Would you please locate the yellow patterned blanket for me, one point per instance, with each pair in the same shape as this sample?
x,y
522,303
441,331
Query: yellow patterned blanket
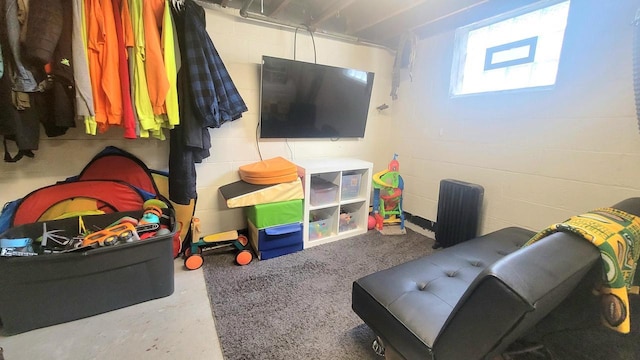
x,y
617,235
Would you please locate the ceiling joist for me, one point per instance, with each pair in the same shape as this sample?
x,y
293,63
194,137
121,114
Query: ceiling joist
x,y
334,9
279,7
376,22
385,15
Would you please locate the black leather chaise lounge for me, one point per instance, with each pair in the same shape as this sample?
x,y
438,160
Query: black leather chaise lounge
x,y
472,300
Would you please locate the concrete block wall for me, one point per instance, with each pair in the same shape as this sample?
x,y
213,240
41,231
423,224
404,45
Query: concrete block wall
x,y
241,44
541,155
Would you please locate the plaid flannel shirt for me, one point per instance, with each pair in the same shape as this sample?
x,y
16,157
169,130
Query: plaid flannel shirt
x,y
214,93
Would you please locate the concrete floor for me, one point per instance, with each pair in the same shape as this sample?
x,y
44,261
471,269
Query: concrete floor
x,y
179,326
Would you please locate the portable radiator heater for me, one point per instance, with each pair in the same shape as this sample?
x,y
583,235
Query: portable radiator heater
x,y
459,205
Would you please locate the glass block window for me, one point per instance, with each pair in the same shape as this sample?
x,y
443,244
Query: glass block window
x,y
513,51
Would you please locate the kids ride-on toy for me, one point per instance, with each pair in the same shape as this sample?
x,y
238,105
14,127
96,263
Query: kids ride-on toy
x,y
228,239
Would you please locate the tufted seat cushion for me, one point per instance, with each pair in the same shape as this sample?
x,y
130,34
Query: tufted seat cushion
x,y
433,284
474,298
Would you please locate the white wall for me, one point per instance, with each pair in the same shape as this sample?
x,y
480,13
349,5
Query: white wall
x,y
541,156
241,44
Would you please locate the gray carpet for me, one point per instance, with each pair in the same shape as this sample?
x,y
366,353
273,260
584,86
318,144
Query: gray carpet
x,y
298,306
574,331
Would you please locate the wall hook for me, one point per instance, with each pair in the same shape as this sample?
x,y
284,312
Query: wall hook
x,y
382,107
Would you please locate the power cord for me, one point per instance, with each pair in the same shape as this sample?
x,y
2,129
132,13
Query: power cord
x,y
258,142
290,151
313,40
295,42
315,58
315,61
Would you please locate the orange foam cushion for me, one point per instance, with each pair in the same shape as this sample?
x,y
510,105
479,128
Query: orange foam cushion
x,y
267,172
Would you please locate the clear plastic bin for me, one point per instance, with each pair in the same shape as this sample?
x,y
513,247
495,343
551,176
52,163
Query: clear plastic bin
x,y
322,192
348,221
320,228
350,186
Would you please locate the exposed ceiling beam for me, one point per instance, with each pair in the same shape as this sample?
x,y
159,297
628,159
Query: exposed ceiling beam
x,y
331,11
278,8
456,12
431,18
389,30
485,10
387,15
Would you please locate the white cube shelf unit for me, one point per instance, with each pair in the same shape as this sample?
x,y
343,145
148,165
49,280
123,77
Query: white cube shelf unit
x,y
336,199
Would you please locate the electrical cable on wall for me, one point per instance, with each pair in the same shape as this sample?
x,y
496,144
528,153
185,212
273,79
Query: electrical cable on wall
x,y
636,63
295,43
257,141
405,57
315,58
290,151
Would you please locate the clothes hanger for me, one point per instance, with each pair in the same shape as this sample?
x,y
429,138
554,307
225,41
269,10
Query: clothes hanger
x,y
177,4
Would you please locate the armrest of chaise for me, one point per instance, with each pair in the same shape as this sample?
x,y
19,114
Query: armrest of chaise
x,y
513,294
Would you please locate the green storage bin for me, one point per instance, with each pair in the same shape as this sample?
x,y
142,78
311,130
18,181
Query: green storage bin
x,y
276,213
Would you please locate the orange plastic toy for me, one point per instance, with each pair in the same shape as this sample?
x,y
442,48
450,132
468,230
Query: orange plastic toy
x,y
228,239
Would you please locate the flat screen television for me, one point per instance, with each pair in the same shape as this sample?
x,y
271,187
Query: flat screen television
x,y
306,100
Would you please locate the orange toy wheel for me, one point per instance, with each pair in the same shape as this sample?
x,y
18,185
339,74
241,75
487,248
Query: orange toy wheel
x,y
193,262
244,257
187,251
243,240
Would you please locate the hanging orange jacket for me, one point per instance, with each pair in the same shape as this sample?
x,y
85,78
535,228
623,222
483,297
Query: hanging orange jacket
x,y
102,44
95,43
157,82
127,26
128,122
